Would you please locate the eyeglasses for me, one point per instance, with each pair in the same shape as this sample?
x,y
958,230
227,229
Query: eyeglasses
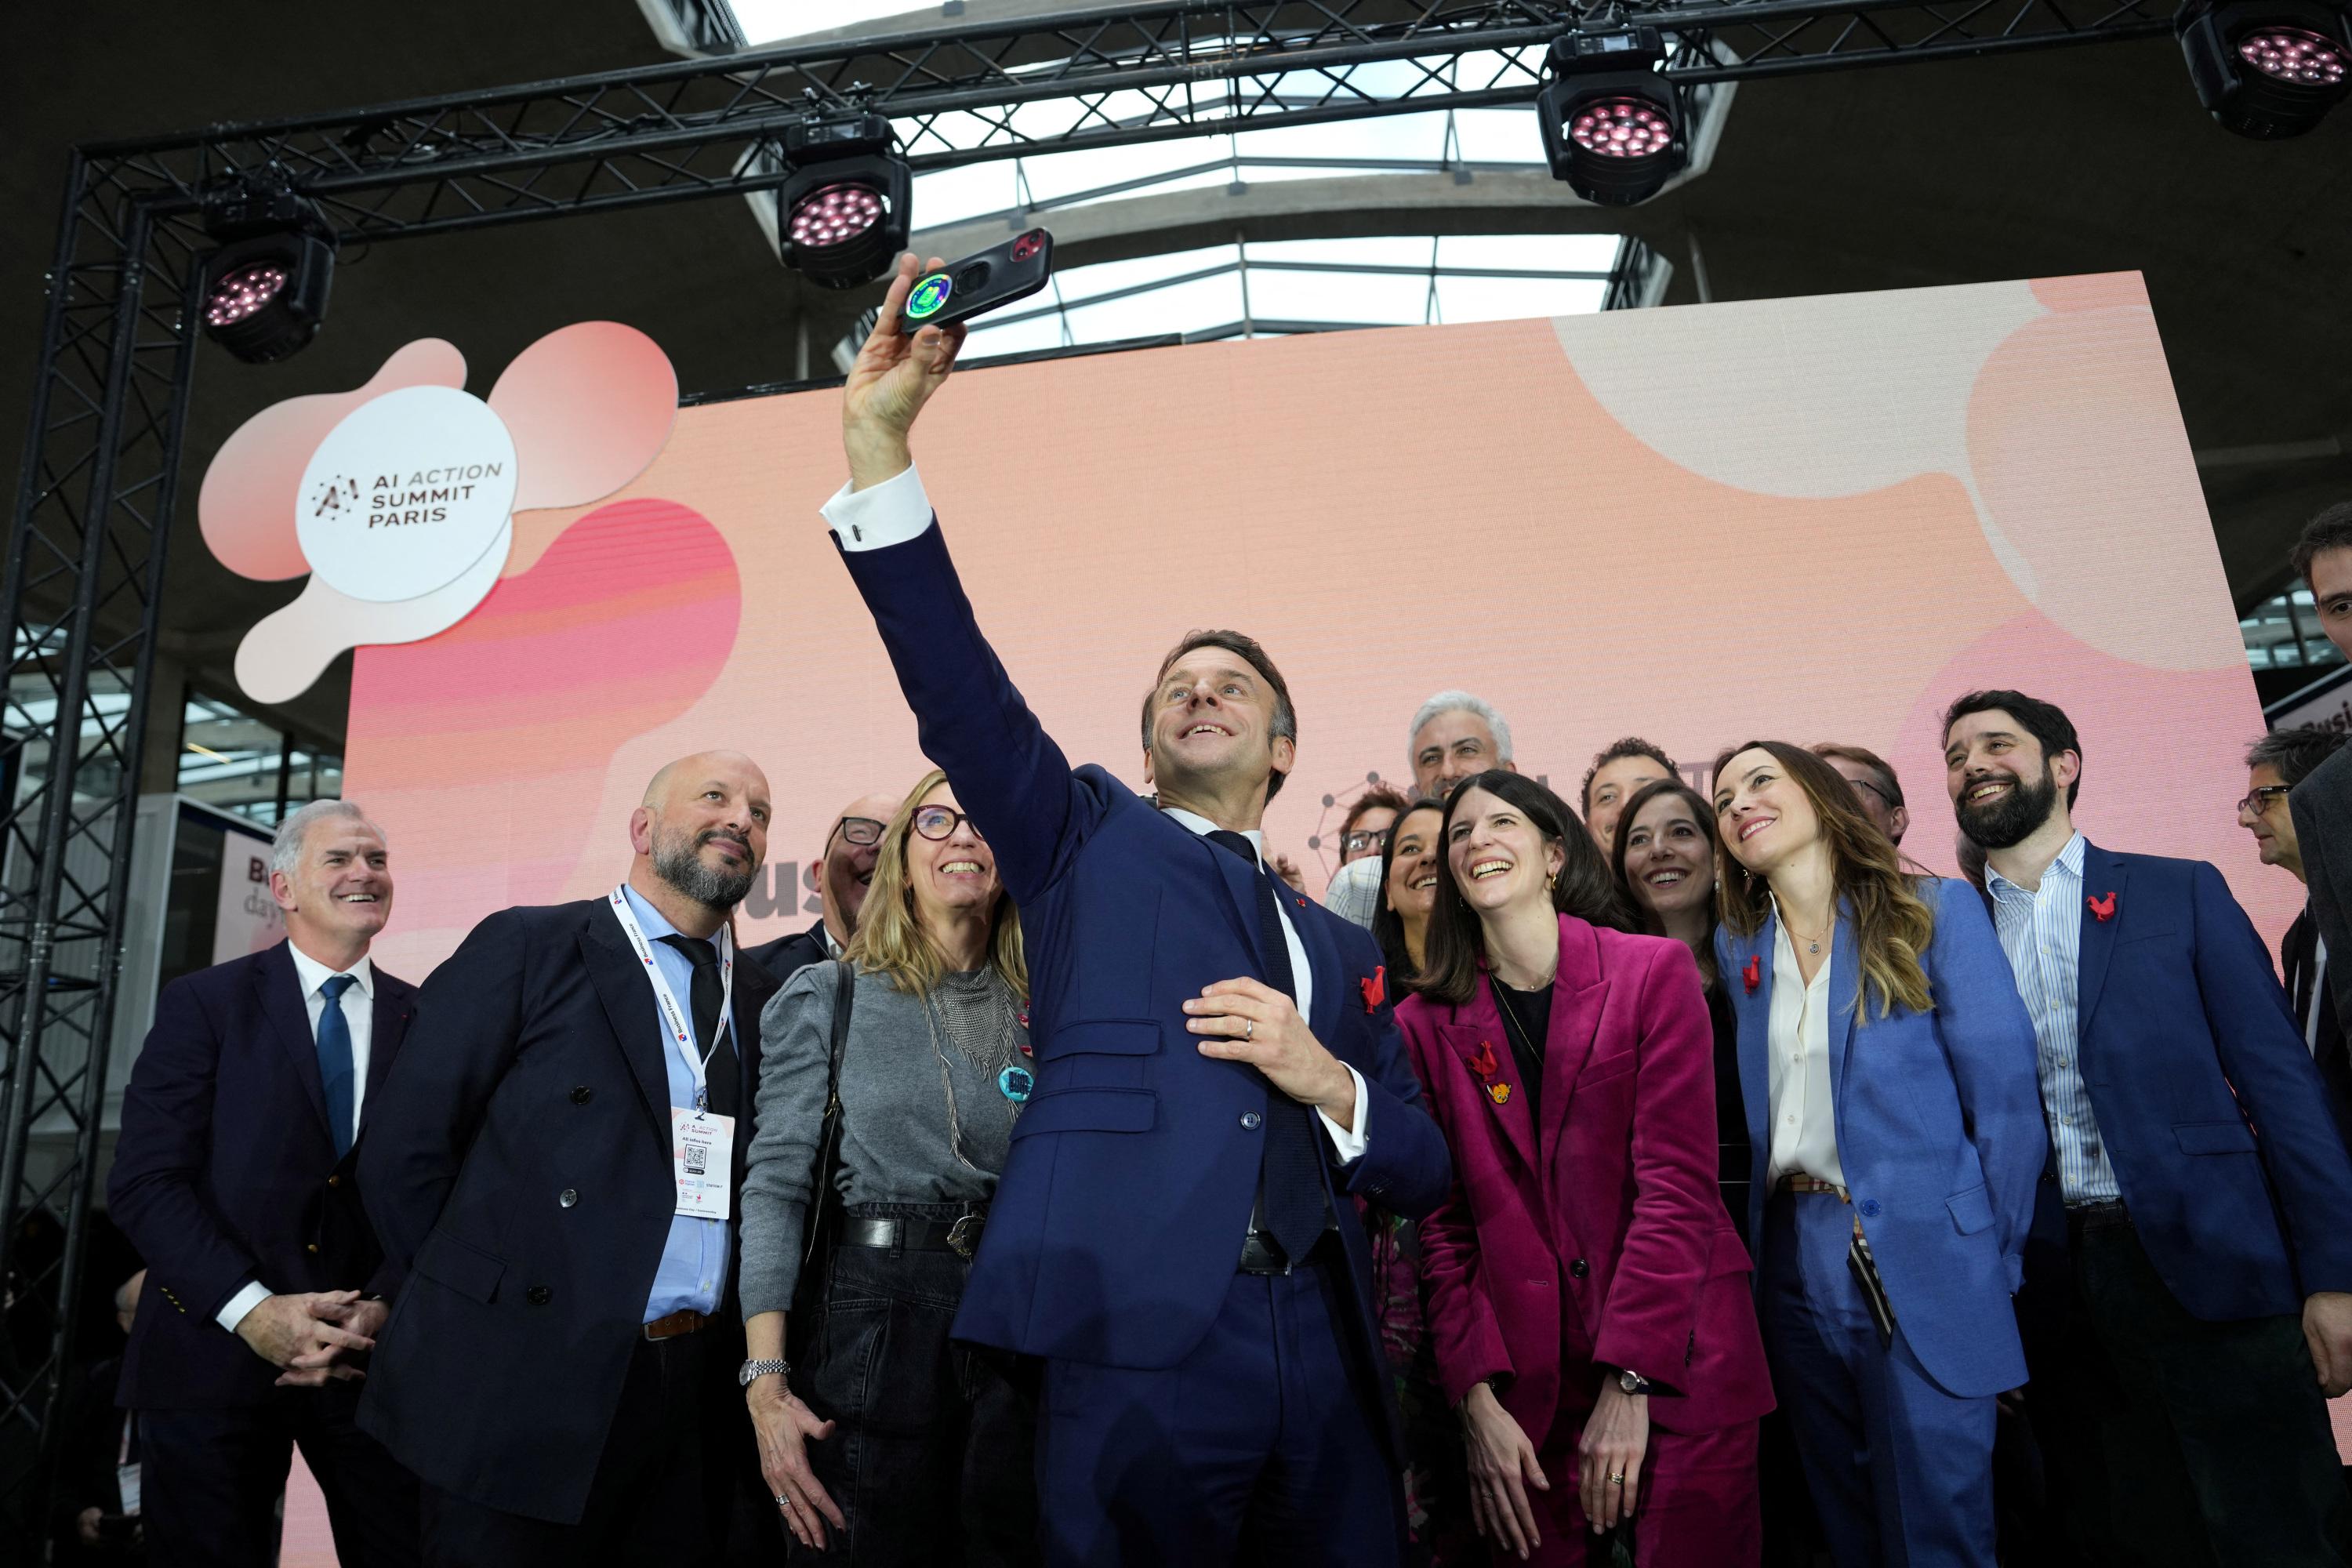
x,y
1892,803
1363,840
938,822
862,831
2258,800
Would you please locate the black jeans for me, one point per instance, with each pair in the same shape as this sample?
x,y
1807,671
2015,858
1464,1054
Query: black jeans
x,y
2172,1440
931,1461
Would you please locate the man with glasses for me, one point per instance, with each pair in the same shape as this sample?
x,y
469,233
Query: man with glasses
x,y
1875,788
844,870
2275,765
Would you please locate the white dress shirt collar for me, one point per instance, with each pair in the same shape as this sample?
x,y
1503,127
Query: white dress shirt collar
x,y
1196,823
2070,859
312,973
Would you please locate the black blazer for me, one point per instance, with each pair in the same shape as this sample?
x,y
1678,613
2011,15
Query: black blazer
x,y
2298,956
788,955
226,1171
521,1159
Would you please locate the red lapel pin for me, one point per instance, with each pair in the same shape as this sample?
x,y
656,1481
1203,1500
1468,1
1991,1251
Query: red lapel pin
x,y
1376,989
1481,1060
1753,976
2103,909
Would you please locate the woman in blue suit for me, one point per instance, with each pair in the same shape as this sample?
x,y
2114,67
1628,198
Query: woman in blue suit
x,y
1888,1071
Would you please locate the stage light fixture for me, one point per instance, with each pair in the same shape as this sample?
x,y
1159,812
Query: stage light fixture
x,y
1612,127
265,290
2267,68
842,214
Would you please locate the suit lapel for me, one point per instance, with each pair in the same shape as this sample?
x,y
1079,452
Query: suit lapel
x,y
280,989
627,995
1475,1037
394,1007
2098,940
1577,992
1753,1009
1323,960
1845,1000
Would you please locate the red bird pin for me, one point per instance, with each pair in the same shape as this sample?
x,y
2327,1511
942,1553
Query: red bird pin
x,y
1753,976
1481,1060
2103,909
1376,989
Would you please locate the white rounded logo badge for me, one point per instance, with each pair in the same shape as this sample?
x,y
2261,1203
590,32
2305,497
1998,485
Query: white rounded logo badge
x,y
412,489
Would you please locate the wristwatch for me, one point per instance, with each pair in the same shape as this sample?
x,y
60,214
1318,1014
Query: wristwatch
x,y
1631,1381
759,1369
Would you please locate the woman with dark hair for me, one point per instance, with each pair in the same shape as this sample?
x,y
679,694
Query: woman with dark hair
x,y
1664,867
1437,1488
1588,1298
1889,1073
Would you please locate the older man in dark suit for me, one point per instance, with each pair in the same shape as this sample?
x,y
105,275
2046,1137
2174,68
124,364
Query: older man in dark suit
x,y
844,870
235,1180
558,1157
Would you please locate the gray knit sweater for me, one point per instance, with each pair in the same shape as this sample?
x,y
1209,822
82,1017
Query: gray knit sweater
x,y
895,1143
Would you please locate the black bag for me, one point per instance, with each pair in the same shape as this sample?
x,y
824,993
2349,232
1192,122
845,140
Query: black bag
x,y
825,1201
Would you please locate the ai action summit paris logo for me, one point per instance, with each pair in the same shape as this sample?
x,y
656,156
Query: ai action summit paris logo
x,y
397,499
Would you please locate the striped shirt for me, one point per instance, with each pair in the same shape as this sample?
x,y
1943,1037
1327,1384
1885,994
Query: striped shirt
x,y
2042,931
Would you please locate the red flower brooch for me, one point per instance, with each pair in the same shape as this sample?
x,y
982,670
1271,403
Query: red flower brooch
x,y
1753,976
2103,908
1376,989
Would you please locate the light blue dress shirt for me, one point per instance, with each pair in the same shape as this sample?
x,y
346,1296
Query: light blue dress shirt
x,y
2042,931
693,1270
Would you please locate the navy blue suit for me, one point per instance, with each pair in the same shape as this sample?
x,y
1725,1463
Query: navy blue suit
x,y
1118,1222
1940,1137
519,1162
226,1173
2178,1408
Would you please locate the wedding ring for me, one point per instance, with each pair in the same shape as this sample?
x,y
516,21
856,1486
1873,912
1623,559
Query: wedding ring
x,y
1616,1477
1249,1029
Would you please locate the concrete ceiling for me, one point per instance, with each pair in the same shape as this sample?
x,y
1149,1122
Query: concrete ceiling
x,y
2075,161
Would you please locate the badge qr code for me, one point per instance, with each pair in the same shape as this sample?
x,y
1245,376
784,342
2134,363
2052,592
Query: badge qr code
x,y
698,1160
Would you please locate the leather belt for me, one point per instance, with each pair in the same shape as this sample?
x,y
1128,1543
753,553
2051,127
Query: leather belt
x,y
685,1322
1798,1181
902,1233
2098,1214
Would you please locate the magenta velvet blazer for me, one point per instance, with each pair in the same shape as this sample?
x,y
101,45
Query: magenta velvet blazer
x,y
1600,1237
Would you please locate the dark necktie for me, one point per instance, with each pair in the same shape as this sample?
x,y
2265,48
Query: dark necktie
x,y
720,1069
1290,1178
335,1071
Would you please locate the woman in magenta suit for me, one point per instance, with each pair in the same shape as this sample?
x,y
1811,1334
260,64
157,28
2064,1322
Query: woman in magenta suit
x,y
1588,1294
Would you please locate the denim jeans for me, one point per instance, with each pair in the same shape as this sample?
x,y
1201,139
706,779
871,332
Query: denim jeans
x,y
932,1460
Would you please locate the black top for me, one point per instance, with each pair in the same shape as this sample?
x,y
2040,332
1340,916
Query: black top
x,y
1527,1018
2329,1049
1736,1173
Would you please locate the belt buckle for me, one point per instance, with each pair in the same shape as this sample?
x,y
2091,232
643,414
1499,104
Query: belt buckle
x,y
963,1236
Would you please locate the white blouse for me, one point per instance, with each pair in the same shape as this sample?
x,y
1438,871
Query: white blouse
x,y
1797,1046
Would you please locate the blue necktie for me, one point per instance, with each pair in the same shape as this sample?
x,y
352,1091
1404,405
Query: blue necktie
x,y
335,1071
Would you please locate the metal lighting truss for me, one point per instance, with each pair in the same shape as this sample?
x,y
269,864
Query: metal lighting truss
x,y
95,498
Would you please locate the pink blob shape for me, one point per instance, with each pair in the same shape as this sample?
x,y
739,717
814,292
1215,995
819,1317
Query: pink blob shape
x,y
589,406
246,508
500,731
2073,431
2092,291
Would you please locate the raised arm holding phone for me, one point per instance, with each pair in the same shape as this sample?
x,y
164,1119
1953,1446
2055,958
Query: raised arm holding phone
x,y
1216,1067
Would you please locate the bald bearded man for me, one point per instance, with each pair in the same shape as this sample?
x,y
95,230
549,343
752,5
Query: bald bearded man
x,y
555,1158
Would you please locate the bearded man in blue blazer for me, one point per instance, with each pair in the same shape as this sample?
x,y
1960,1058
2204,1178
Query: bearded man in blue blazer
x,y
1217,1070
2207,1309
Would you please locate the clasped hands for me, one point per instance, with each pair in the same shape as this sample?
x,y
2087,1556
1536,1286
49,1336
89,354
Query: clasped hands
x,y
305,1332
1249,1021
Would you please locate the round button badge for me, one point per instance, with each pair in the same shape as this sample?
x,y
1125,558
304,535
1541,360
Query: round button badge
x,y
930,296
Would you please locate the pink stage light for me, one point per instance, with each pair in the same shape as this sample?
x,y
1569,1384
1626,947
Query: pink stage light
x,y
2294,55
1621,128
832,213
243,292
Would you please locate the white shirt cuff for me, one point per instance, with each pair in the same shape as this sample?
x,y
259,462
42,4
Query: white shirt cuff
x,y
879,516
244,1301
1349,1143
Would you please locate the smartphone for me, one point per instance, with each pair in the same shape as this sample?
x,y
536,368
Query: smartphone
x,y
997,276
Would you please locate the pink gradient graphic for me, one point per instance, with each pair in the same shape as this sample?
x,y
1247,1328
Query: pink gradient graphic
x,y
587,406
246,508
485,750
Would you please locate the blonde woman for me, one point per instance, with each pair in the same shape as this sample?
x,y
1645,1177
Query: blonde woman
x,y
888,1444
1888,1071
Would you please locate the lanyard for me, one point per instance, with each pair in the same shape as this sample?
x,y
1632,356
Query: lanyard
x,y
674,1020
